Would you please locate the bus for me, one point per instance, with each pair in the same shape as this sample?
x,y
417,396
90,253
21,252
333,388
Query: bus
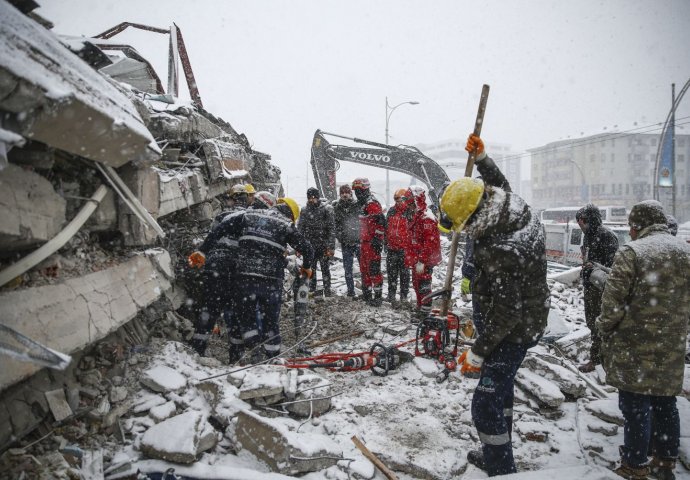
x,y
564,241
610,214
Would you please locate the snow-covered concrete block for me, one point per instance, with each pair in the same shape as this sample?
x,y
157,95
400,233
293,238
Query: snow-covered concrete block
x,y
31,211
544,391
265,381
175,439
599,426
146,401
163,412
314,404
607,410
79,311
568,382
163,379
284,451
208,439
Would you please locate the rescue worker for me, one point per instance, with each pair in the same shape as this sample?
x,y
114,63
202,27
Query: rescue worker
x,y
317,225
251,191
510,285
397,243
217,258
263,200
599,245
263,236
372,230
644,325
346,215
236,199
425,247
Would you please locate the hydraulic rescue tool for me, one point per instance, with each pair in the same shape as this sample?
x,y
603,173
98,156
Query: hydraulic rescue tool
x,y
379,359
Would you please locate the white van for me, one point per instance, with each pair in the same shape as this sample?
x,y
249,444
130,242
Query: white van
x,y
564,241
609,213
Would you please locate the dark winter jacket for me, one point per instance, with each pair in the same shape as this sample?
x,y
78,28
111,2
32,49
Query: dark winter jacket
x,y
468,270
600,246
263,236
644,314
221,249
346,215
317,225
509,258
397,229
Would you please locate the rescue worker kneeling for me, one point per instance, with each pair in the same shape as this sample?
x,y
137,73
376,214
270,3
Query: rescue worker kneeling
x,y
510,285
262,236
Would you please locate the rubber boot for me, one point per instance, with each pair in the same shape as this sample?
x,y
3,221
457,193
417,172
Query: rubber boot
x,y
377,301
366,294
476,458
632,473
662,468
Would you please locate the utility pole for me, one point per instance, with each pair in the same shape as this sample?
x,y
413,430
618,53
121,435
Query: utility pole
x,y
673,151
389,112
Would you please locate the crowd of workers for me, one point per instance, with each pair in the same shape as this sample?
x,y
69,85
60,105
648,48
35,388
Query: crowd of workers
x,y
638,318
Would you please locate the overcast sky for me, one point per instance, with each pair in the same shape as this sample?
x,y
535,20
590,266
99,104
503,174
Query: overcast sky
x,y
278,70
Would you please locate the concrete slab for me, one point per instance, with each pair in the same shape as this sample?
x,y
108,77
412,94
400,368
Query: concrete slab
x,y
79,311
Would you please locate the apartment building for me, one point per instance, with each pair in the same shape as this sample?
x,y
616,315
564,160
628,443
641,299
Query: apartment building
x,y
451,155
607,169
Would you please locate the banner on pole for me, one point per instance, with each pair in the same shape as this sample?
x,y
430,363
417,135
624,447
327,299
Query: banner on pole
x,y
666,162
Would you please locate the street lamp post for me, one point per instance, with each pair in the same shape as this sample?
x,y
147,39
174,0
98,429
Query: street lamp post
x,y
389,112
584,182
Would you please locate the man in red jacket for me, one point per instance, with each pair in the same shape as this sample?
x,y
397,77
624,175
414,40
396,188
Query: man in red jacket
x,y
372,229
425,247
397,243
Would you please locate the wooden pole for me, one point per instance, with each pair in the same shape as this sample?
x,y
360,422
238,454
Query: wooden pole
x,y
448,285
373,458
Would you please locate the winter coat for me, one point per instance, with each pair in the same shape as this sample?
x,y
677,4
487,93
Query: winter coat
x,y
346,215
317,225
372,223
644,314
467,269
263,236
397,229
221,249
600,246
510,266
425,239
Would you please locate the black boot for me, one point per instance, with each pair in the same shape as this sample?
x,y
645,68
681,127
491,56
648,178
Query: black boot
x,y
662,468
476,458
377,301
366,294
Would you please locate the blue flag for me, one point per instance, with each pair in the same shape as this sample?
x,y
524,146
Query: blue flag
x,y
666,162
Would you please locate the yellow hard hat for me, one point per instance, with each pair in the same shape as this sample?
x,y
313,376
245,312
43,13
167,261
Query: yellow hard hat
x,y
460,199
249,188
293,206
237,189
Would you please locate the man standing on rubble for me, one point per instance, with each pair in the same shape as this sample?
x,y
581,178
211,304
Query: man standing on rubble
x,y
372,230
397,243
263,236
317,225
599,246
644,325
346,213
510,285
217,258
425,247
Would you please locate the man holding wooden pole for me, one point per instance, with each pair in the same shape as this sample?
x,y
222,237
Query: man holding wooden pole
x,y
510,285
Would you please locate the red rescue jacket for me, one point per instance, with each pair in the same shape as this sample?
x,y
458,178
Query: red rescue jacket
x,y
397,229
371,221
425,240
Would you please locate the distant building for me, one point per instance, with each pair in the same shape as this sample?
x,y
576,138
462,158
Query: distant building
x,y
607,169
451,155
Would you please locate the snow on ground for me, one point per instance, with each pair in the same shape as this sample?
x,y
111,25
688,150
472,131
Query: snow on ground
x,y
416,426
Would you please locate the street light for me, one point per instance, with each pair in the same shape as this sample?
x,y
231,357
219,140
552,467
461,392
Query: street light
x,y
584,182
389,112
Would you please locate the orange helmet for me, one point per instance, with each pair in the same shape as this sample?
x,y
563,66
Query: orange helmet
x,y
399,193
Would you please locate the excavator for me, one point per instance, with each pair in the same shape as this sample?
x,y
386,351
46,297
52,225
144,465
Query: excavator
x,y
326,158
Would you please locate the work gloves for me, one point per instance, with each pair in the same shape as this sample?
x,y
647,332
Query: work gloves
x,y
377,245
471,364
196,260
306,272
419,268
475,144
465,287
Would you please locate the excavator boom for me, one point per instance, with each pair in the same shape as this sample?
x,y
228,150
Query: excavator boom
x,y
325,158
